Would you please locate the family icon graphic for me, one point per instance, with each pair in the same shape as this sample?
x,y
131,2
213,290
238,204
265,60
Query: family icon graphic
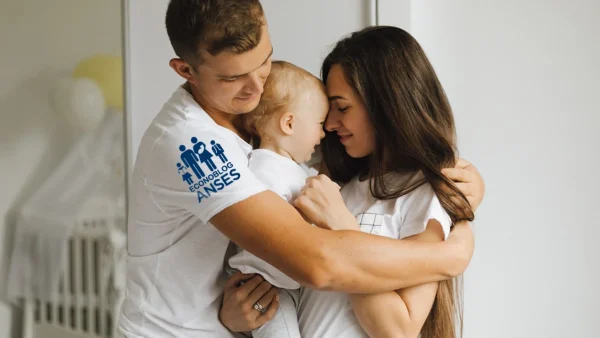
x,y
199,154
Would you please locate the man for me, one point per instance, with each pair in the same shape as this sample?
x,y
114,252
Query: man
x,y
179,233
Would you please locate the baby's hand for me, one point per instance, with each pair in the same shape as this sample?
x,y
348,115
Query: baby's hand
x,y
320,200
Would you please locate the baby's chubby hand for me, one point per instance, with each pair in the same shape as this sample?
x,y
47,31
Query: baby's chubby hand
x,y
320,200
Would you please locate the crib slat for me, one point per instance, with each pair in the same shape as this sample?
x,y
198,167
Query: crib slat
x,y
66,286
29,318
102,288
43,314
90,267
55,299
54,311
77,273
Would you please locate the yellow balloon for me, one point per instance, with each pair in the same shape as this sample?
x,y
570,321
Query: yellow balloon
x,y
107,71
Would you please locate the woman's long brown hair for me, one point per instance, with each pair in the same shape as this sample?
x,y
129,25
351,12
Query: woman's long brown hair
x,y
415,134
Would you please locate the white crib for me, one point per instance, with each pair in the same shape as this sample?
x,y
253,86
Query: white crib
x,y
87,300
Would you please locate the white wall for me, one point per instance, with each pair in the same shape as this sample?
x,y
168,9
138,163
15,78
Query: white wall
x,y
149,79
39,40
304,32
394,13
301,32
522,77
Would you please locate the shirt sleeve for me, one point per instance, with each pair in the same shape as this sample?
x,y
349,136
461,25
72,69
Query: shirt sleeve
x,y
417,208
202,170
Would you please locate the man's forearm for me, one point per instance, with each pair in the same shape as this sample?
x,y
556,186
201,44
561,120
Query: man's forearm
x,y
371,264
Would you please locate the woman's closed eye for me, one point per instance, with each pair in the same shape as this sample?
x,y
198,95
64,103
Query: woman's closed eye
x,y
342,109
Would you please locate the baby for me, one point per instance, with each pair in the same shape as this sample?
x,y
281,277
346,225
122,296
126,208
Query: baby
x,y
288,123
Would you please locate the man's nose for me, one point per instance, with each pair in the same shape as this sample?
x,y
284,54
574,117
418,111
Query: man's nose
x,y
255,85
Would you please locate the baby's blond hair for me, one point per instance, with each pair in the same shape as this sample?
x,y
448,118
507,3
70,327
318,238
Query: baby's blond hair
x,y
285,83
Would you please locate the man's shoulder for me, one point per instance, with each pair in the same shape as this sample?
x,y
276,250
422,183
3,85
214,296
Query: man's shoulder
x,y
193,145
179,117
167,131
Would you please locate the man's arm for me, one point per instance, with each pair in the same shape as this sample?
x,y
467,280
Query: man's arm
x,y
347,261
264,224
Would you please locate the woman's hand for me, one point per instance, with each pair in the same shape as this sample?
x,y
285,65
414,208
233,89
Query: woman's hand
x,y
468,180
320,200
237,312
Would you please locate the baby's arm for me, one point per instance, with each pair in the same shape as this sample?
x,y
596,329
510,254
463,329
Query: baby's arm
x,y
401,312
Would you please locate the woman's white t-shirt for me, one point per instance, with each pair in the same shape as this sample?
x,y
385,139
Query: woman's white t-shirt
x,y
327,314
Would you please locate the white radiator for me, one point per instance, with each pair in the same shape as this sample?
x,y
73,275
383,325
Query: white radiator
x,y
87,300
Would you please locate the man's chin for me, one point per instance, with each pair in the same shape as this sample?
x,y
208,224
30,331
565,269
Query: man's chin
x,y
245,108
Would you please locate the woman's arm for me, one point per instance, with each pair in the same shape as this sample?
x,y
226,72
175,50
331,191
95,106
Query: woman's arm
x,y
399,313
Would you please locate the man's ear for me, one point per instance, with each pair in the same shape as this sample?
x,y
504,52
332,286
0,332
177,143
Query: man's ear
x,y
182,68
287,122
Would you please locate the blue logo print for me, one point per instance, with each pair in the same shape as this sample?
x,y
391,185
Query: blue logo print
x,y
215,179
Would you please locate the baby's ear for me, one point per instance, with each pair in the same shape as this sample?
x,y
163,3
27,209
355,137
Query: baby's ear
x,y
286,123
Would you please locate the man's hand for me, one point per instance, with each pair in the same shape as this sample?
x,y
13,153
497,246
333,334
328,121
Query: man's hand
x,y
238,313
468,180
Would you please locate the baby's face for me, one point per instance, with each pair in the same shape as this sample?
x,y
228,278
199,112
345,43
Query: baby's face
x,y
311,112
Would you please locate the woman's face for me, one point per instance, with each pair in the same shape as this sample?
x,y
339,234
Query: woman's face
x,y
348,116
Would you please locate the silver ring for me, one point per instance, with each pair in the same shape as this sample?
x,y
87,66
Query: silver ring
x,y
258,307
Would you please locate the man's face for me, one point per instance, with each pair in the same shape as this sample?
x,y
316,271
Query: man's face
x,y
233,83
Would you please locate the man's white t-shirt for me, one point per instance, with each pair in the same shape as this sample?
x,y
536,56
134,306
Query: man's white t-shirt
x,y
187,170
326,314
286,178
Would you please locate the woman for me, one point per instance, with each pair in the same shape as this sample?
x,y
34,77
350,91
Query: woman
x,y
390,134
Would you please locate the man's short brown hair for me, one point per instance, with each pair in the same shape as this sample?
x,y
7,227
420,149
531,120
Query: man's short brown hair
x,y
214,25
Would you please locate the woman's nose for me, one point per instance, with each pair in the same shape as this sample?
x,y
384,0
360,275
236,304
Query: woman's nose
x,y
332,122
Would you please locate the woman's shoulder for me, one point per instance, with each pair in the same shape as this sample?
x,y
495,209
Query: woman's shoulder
x,y
423,194
423,191
354,186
